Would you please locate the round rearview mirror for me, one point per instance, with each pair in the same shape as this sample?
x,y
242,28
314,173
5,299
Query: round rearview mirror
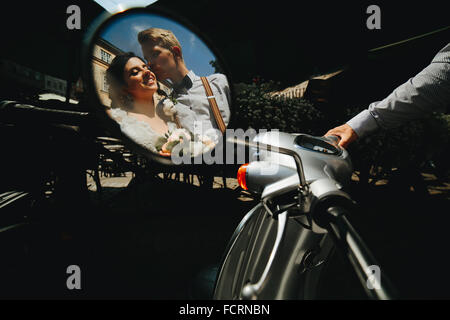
x,y
158,85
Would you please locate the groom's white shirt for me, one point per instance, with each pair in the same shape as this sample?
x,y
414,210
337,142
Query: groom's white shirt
x,y
191,93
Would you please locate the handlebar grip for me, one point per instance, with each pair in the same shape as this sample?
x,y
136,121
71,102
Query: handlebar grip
x,y
334,139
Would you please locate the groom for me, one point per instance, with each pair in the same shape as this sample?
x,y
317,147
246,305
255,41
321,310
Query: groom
x,y
164,54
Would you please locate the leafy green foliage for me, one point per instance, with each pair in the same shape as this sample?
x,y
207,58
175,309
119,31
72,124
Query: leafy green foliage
x,y
411,145
257,109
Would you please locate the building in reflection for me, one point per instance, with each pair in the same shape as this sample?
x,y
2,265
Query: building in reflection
x,y
104,52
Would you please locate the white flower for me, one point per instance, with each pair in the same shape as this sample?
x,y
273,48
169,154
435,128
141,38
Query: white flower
x,y
179,134
207,141
169,107
213,134
194,148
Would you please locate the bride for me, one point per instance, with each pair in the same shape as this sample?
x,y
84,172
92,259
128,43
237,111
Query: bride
x,y
144,112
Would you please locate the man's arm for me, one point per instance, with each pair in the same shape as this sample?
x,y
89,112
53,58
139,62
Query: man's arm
x,y
427,92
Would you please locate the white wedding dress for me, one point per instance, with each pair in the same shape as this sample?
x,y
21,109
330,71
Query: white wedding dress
x,y
138,131
142,133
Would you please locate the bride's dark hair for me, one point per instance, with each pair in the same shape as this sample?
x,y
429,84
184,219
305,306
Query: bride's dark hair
x,y
115,69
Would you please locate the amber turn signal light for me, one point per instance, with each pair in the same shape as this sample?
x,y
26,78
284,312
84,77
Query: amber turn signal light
x,y
241,176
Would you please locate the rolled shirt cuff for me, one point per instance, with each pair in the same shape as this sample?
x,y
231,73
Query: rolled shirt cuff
x,y
363,123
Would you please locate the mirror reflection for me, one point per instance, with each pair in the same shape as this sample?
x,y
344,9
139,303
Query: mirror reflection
x,y
161,83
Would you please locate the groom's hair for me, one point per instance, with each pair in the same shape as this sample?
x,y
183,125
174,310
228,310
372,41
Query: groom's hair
x,y
161,37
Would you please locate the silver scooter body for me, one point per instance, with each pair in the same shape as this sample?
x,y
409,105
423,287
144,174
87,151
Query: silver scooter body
x,y
281,257
334,163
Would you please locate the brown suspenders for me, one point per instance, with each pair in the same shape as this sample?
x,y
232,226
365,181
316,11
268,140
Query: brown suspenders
x,y
213,105
177,122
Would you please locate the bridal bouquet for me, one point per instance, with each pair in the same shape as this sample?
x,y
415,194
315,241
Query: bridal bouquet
x,y
166,143
191,145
